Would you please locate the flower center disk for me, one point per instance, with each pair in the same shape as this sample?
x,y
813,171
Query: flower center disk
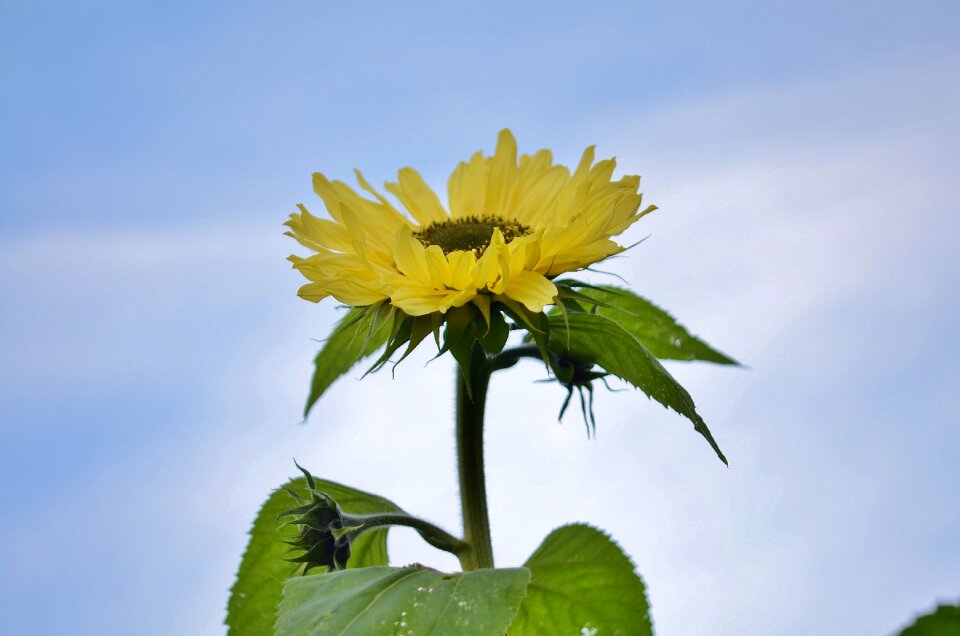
x,y
469,233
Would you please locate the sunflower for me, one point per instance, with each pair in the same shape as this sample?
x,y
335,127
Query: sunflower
x,y
509,228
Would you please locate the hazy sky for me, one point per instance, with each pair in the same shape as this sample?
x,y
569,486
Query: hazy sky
x,y
156,357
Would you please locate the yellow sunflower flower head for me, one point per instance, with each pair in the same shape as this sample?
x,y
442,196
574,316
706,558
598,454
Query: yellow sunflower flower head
x,y
510,227
512,224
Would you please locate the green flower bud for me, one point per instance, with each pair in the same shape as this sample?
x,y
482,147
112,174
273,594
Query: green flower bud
x,y
323,537
579,375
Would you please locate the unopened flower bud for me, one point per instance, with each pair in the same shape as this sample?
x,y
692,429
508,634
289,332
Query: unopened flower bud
x,y
323,537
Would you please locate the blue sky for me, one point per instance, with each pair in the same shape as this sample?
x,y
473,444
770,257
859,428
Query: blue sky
x,y
156,356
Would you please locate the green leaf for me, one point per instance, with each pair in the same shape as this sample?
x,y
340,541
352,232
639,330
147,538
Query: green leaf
x,y
251,610
581,582
411,600
659,332
600,340
359,334
943,621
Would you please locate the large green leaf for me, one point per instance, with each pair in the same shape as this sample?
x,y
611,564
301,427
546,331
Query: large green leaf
x,y
411,600
659,332
582,583
943,621
358,334
600,340
256,592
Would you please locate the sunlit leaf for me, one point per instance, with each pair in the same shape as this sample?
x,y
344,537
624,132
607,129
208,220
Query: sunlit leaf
x,y
412,600
582,583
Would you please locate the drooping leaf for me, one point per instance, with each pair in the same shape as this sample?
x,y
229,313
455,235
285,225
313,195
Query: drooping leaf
x,y
358,334
659,332
943,621
581,582
411,600
251,610
600,340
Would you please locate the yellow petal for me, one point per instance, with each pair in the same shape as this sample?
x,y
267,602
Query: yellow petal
x,y
458,299
438,267
323,187
378,221
534,290
467,187
538,195
314,292
417,197
356,293
387,206
463,267
503,172
502,252
321,231
411,258
487,271
418,301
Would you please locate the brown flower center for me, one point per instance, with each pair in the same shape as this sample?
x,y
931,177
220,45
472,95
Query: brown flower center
x,y
469,233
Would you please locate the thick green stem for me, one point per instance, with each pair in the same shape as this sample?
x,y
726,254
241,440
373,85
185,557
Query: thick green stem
x,y
473,489
477,551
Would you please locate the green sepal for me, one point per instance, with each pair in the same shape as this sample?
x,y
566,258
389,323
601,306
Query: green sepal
x,y
566,291
497,333
436,321
419,329
399,335
358,334
536,324
483,303
299,510
311,483
458,338
344,531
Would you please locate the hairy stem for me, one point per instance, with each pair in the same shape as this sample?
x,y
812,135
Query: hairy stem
x,y
510,357
473,488
471,403
434,535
